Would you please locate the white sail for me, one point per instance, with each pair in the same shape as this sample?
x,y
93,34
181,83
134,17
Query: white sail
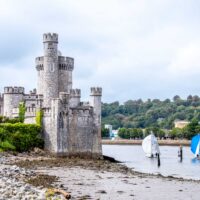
x,y
150,145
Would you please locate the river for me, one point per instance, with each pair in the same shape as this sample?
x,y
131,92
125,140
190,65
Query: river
x,y
134,157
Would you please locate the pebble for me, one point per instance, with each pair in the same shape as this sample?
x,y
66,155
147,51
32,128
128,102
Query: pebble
x,y
12,185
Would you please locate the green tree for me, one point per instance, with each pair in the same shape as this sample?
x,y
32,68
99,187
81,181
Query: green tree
x,y
176,133
105,133
39,116
22,110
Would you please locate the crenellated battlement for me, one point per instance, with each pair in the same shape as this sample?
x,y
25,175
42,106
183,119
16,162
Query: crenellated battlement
x,y
96,91
75,93
50,37
30,109
67,123
65,59
14,90
46,110
39,59
81,111
33,96
66,63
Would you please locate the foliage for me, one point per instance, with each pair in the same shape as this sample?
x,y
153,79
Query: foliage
x,y
188,132
130,133
22,136
176,133
151,113
7,146
105,133
4,119
39,116
22,110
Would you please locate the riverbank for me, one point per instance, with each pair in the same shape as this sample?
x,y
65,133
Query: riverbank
x,y
31,176
139,142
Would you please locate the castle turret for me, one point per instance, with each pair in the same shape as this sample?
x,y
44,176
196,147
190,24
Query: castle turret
x,y
95,102
75,95
12,97
39,62
50,74
66,66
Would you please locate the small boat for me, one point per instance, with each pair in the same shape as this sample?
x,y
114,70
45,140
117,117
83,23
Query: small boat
x,y
150,146
195,145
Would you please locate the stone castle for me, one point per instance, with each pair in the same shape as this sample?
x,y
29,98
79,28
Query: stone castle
x,y
70,127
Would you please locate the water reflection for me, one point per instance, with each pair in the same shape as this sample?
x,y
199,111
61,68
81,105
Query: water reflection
x,y
171,165
195,161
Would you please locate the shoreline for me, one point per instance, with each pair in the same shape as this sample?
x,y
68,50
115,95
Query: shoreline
x,y
139,142
94,179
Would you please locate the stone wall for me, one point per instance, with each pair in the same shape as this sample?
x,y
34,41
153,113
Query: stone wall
x,y
1,104
47,131
12,97
82,131
95,102
71,130
30,115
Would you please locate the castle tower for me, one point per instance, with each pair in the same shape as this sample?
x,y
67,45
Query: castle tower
x,y
66,66
75,95
95,102
39,62
50,63
12,97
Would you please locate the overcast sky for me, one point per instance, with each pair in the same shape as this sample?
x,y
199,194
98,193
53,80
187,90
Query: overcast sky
x,y
131,48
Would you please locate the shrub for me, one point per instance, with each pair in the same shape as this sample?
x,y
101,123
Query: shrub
x,y
22,136
39,116
4,119
7,146
22,110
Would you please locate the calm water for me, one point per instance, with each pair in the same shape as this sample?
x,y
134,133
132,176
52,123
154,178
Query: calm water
x,y
134,157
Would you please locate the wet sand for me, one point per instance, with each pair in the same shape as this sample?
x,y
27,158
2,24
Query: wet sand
x,y
103,180
93,184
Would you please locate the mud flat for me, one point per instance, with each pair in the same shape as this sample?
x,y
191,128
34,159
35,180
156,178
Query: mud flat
x,y
95,179
28,176
139,142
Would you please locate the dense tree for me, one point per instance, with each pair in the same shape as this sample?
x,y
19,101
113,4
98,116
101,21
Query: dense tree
x,y
176,98
105,133
151,113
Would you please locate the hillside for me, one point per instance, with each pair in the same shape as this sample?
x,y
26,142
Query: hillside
x,y
151,113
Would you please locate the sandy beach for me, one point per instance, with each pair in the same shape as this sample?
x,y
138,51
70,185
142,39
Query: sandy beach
x,y
89,179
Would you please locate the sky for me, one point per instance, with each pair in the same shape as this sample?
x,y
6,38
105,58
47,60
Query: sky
x,y
131,48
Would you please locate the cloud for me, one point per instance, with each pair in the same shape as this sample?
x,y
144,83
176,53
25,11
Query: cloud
x,y
133,49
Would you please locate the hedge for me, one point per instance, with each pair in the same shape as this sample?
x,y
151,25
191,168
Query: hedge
x,y
22,137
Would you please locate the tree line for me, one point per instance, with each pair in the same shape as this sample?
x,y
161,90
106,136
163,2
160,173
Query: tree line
x,y
151,113
176,133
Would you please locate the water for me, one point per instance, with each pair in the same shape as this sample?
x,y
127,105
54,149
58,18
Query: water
x,y
134,157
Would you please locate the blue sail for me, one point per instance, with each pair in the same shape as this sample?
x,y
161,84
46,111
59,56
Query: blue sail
x,y
195,143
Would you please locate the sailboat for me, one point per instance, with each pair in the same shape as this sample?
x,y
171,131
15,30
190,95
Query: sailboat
x,y
150,146
195,145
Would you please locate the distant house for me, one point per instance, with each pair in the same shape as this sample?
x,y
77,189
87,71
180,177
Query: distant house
x,y
115,133
181,123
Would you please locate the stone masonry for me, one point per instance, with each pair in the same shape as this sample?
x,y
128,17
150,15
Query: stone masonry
x,y
70,127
